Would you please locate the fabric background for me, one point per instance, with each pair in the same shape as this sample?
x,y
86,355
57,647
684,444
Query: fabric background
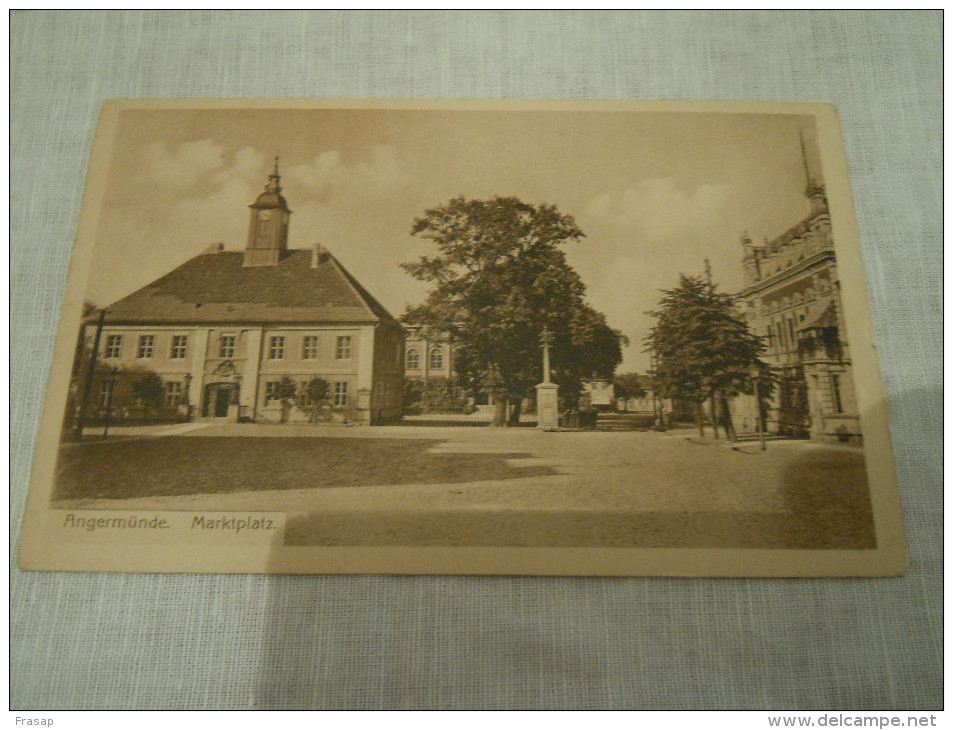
x,y
162,641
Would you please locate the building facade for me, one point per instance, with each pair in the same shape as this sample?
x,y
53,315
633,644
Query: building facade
x,y
239,335
791,298
428,353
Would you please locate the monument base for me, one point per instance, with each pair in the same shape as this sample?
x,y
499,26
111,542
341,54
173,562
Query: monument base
x,y
547,406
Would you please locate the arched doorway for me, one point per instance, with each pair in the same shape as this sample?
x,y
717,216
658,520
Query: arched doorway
x,y
220,397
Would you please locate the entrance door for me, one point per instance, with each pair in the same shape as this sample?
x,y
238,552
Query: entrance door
x,y
222,397
217,398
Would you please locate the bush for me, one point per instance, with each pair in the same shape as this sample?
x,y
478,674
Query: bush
x,y
437,395
413,392
588,418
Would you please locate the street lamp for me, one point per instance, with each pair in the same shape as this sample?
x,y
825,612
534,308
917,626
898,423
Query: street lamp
x,y
755,374
109,398
90,372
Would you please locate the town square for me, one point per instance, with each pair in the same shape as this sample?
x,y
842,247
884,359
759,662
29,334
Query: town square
x,y
386,364
455,485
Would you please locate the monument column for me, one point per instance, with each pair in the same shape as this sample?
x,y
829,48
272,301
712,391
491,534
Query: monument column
x,y
547,403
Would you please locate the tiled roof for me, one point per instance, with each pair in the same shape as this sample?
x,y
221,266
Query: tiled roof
x,y
215,287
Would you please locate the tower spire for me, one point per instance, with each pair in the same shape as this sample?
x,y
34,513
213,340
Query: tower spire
x,y
274,180
813,191
807,170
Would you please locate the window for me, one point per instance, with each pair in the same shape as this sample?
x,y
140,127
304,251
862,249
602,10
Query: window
x,y
276,351
309,350
380,388
271,392
226,347
413,360
436,359
179,345
835,391
263,224
113,345
106,393
303,401
343,351
340,394
146,345
173,394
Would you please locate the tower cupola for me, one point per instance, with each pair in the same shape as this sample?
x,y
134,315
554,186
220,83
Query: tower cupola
x,y
268,225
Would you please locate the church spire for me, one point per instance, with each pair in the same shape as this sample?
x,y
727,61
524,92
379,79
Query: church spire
x,y
813,191
807,168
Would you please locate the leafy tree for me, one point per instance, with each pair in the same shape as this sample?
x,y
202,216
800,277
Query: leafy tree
x,y
149,390
413,392
499,279
285,392
702,350
629,385
317,391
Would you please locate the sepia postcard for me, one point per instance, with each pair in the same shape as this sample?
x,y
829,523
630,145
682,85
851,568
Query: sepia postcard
x,y
540,338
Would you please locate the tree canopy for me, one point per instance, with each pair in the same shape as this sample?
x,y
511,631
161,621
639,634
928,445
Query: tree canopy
x,y
500,278
701,349
149,389
629,385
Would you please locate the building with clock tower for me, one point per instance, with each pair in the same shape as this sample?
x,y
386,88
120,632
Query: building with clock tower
x,y
238,335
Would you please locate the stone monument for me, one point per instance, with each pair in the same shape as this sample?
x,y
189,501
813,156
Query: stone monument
x,y
547,404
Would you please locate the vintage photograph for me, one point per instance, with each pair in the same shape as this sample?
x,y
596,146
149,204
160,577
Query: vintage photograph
x,y
537,338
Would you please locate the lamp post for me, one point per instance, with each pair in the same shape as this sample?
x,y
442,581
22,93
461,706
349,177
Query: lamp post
x,y
755,377
90,372
109,399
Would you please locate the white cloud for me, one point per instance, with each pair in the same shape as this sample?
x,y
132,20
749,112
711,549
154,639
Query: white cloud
x,y
248,165
660,209
329,175
183,167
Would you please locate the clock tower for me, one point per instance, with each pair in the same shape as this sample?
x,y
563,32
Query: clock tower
x,y
268,225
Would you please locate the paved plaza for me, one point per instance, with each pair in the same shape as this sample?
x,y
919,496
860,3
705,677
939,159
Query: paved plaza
x,y
645,489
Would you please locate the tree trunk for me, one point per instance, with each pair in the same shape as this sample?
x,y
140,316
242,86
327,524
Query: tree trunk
x,y
730,433
499,412
516,406
699,419
712,401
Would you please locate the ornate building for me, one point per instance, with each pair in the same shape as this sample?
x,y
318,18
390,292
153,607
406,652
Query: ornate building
x,y
791,298
429,354
227,330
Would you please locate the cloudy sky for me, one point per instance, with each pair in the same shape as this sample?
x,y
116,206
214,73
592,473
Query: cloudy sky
x,y
655,193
